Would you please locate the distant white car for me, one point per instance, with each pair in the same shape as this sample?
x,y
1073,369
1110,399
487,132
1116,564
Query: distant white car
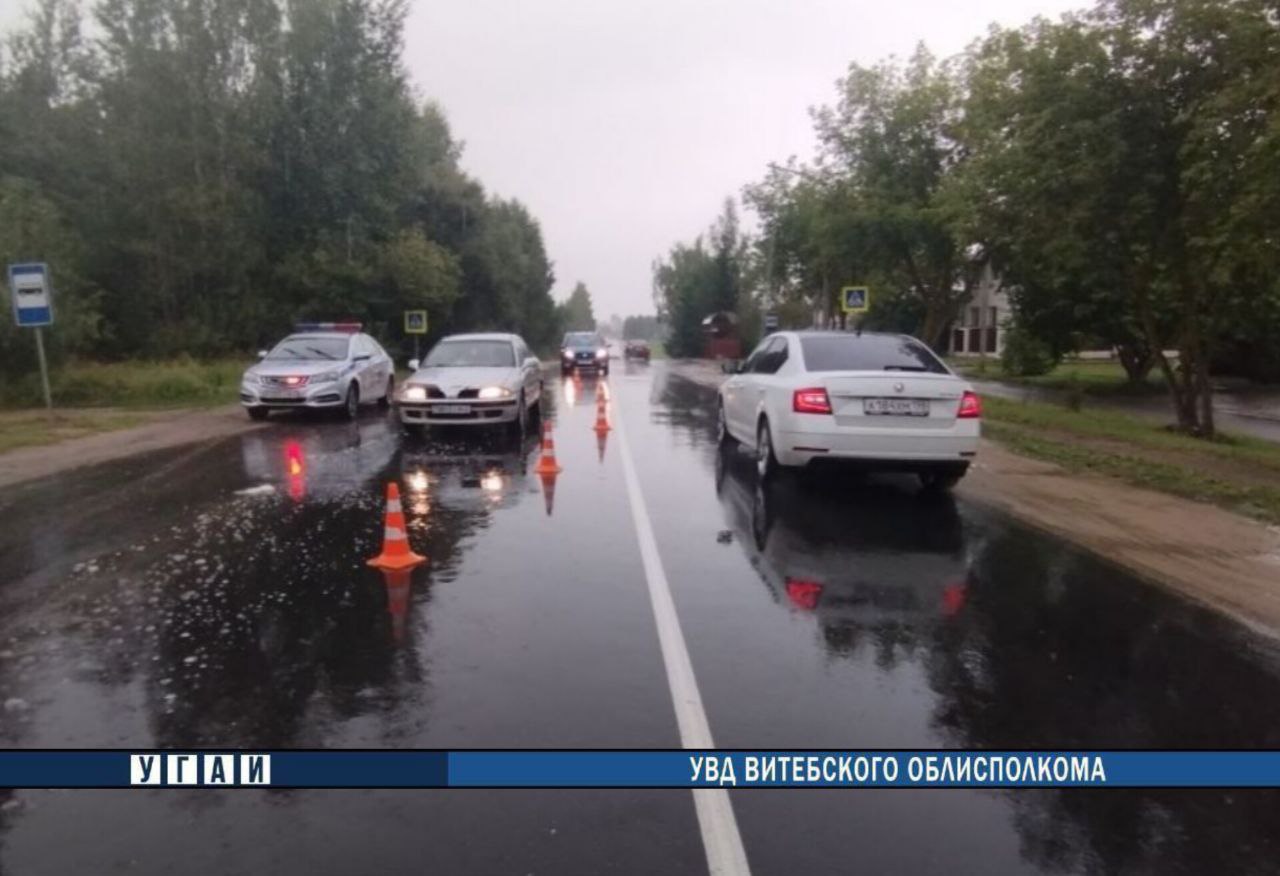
x,y
321,365
880,400
476,380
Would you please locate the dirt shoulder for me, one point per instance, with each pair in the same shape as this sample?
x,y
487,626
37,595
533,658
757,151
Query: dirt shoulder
x,y
160,430
1216,557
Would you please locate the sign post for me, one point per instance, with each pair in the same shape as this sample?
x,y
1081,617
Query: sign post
x,y
415,323
33,308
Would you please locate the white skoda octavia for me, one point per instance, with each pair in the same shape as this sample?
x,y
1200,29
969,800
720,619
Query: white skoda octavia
x,y
879,400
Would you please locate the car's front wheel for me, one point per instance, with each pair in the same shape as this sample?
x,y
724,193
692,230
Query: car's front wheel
x,y
940,480
766,460
351,405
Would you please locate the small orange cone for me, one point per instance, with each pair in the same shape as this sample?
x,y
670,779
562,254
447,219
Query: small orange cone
x,y
602,418
548,491
395,545
547,464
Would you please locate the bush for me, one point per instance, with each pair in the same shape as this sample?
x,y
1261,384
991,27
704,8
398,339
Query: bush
x,y
1026,355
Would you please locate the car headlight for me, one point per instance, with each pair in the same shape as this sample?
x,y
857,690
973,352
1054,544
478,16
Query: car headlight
x,y
326,377
414,393
251,378
601,353
568,354
492,392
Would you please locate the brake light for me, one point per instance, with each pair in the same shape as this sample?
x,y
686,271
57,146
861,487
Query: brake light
x,y
811,401
970,406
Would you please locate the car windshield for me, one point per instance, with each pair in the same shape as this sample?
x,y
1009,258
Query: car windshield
x,y
868,353
471,354
306,348
581,340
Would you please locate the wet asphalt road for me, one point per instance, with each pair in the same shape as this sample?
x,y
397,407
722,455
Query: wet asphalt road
x,y
218,596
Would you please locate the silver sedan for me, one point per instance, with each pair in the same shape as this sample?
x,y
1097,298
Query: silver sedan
x,y
321,365
473,380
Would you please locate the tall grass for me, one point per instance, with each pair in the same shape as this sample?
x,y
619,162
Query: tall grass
x,y
170,383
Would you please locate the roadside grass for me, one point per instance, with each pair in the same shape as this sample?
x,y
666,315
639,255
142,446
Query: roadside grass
x,y
1096,378
1239,473
172,383
33,428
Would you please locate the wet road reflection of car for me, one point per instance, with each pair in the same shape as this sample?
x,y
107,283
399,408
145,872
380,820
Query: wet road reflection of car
x,y
854,553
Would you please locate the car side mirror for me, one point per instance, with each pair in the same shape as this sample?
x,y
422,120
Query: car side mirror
x,y
262,354
413,364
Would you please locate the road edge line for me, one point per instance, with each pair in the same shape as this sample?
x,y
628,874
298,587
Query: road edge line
x,y
721,839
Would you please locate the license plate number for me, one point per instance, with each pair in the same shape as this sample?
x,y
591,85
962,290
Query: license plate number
x,y
285,395
895,407
453,409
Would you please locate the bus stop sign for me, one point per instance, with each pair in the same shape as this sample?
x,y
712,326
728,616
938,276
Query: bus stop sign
x,y
32,296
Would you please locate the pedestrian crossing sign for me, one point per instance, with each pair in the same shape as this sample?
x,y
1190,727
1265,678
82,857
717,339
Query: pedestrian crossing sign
x,y
415,322
855,299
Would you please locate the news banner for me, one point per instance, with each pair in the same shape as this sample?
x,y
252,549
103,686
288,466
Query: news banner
x,y
595,768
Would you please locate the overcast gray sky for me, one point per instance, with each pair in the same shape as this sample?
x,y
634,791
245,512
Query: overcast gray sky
x,y
624,126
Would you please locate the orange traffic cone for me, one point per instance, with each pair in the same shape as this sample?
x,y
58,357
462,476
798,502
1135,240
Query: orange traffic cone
x,y
602,418
547,464
548,491
395,545
397,582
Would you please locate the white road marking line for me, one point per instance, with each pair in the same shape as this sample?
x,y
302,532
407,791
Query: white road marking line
x,y
720,837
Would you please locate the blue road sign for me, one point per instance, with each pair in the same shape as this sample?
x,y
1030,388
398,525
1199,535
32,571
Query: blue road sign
x,y
31,293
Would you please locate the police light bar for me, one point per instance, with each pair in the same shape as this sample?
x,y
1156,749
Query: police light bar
x,y
352,327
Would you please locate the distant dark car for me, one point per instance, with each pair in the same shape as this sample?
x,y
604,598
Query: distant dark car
x,y
583,350
636,350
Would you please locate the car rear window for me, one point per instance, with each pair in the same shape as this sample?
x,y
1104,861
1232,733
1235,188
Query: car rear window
x,y
868,353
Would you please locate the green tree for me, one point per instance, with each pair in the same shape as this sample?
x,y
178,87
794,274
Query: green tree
x,y
713,273
1122,170
576,314
889,142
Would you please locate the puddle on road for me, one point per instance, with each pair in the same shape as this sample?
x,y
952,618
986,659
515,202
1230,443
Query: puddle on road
x,y
249,618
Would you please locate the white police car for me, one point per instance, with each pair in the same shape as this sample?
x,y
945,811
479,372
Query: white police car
x,y
321,365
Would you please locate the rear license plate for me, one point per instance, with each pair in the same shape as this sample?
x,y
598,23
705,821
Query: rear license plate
x,y
895,407
452,409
